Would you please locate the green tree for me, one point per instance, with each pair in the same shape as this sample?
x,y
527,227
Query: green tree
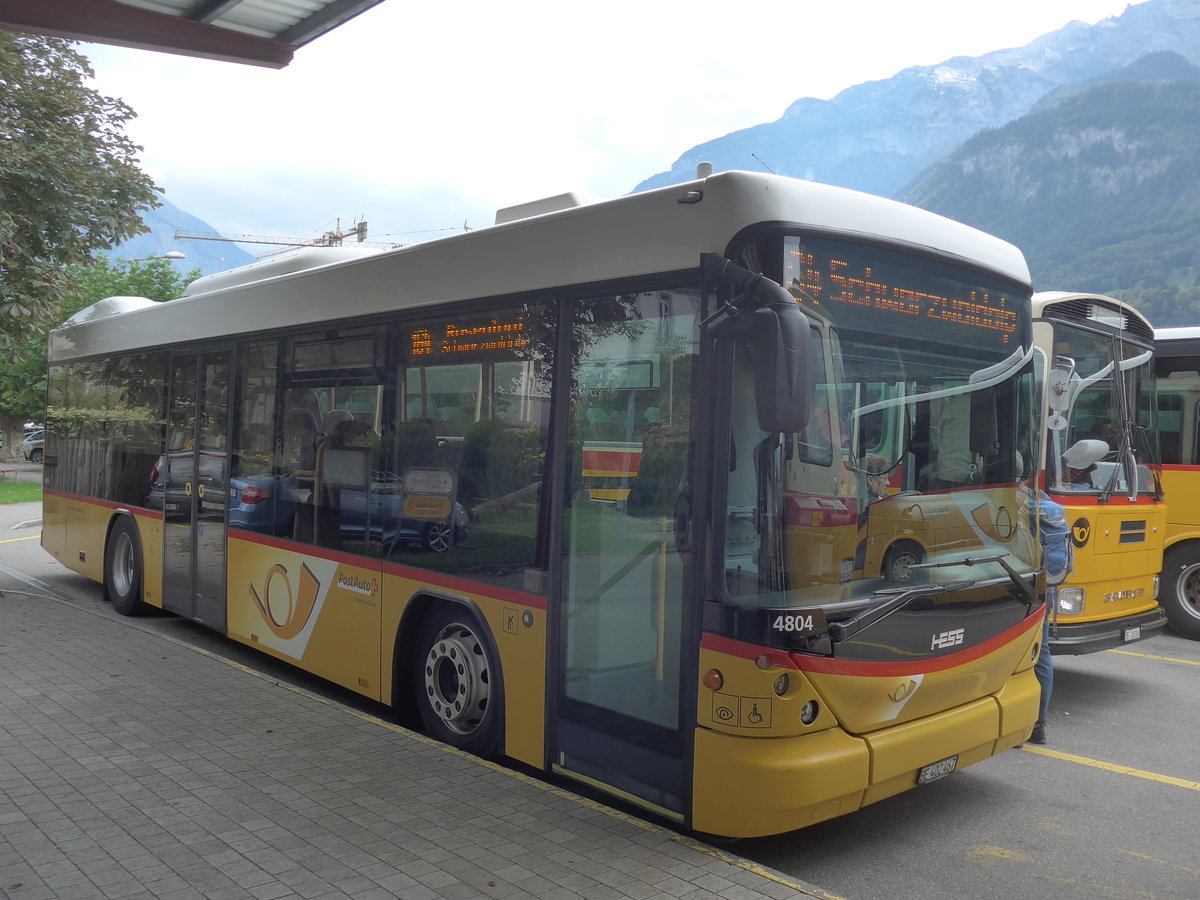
x,y
23,380
69,182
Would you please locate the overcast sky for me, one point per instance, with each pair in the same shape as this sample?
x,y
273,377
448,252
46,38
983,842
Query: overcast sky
x,y
420,117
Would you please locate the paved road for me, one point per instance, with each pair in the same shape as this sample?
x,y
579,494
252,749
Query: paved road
x,y
136,761
1110,808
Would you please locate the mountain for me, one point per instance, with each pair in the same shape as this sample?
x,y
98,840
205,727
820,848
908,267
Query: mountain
x,y
1165,65
207,256
878,136
1101,192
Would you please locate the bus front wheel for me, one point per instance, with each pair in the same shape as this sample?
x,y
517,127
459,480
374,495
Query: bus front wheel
x,y
898,562
458,681
1180,594
123,569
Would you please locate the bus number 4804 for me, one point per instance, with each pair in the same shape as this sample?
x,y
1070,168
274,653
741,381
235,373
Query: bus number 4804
x,y
792,623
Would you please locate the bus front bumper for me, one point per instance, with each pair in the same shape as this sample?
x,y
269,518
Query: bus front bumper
x,y
1090,637
748,787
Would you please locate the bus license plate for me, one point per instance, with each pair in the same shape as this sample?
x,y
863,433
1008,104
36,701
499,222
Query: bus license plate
x,y
934,771
1132,634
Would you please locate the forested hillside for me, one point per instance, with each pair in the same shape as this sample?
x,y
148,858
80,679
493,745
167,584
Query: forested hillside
x,y
1101,192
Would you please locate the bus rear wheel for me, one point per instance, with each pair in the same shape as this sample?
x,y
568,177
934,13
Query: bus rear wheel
x,y
1180,594
123,569
457,681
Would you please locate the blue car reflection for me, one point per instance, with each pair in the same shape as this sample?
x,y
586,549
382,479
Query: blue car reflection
x,y
268,505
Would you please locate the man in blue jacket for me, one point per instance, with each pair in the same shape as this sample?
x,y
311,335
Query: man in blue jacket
x,y
1051,523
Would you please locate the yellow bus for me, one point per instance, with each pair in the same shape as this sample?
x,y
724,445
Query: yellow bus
x,y
588,489
1098,356
1177,364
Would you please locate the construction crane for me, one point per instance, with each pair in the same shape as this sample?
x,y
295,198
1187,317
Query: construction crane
x,y
327,239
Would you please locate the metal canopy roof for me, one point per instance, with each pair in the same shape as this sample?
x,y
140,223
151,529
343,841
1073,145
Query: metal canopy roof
x,y
257,32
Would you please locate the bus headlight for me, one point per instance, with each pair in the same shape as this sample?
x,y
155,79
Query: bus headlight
x,y
1155,587
1070,600
808,712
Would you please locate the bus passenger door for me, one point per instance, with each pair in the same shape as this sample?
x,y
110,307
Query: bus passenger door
x,y
193,482
621,720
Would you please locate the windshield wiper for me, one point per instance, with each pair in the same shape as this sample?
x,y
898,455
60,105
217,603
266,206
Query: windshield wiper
x,y
901,597
1030,595
898,599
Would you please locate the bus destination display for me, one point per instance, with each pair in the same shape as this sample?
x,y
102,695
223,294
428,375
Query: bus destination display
x,y
850,286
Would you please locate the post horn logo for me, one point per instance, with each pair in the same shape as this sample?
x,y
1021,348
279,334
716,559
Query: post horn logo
x,y
1081,530
286,613
903,691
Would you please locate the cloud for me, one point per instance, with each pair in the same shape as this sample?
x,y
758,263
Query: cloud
x,y
422,116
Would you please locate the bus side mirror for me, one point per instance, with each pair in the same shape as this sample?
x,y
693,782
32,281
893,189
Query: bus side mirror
x,y
770,320
780,342
1059,383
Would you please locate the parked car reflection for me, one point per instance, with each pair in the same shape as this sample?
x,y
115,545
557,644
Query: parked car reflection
x,y
269,505
173,481
32,444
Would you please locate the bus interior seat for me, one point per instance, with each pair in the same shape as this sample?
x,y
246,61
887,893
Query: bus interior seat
x,y
324,507
421,407
300,434
332,419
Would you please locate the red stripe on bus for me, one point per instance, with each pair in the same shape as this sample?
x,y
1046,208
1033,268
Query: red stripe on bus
x,y
433,579
154,514
869,669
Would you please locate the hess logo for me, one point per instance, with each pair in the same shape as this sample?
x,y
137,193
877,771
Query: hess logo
x,y
948,639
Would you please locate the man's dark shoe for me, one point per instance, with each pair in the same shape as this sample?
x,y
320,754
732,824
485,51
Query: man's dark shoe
x,y
1039,735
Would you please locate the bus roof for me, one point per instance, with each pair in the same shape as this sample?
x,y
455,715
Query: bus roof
x,y
1097,307
1180,333
650,233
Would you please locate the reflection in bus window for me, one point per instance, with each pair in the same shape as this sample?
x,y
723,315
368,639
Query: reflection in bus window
x,y
464,458
630,450
916,447
104,426
1112,402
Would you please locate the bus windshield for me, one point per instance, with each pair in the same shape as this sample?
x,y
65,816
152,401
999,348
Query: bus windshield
x,y
1117,409
914,467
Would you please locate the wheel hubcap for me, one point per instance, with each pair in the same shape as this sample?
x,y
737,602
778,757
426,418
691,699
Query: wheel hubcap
x,y
902,566
457,681
1188,590
122,570
439,536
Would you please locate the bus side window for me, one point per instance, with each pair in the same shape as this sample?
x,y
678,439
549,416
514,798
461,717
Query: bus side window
x,y
466,453
1170,425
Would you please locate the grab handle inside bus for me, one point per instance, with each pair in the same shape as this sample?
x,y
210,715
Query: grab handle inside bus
x,y
769,319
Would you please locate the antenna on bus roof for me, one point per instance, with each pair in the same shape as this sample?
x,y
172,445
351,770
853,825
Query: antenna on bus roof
x,y
764,165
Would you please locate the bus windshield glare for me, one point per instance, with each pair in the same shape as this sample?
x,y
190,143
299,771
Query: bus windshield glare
x,y
914,467
1104,406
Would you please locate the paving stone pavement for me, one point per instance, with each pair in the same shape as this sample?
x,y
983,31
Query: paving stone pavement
x,y
133,766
